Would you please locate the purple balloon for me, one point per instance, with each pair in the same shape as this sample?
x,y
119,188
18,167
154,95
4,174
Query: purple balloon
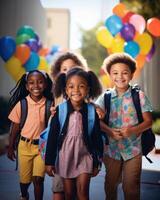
x,y
151,53
33,44
128,31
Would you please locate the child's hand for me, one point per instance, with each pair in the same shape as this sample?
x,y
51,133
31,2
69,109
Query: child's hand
x,y
116,134
126,132
11,153
95,171
50,170
53,110
100,112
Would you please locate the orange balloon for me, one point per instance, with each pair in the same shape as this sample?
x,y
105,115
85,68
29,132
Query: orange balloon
x,y
120,10
153,26
22,53
137,73
106,81
43,51
140,59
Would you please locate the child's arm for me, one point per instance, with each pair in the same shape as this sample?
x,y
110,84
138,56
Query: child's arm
x,y
112,132
14,130
138,129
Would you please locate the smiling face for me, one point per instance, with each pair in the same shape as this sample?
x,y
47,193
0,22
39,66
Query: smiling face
x,y
35,85
76,89
121,75
67,65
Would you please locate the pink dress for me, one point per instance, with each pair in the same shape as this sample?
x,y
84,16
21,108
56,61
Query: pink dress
x,y
74,158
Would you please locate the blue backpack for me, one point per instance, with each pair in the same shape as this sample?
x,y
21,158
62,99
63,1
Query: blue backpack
x,y
62,114
148,137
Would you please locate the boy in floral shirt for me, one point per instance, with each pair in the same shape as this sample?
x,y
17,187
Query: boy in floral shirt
x,y
123,157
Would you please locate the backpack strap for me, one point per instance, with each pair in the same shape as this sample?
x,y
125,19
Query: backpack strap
x,y
107,105
62,114
24,112
136,102
48,104
91,117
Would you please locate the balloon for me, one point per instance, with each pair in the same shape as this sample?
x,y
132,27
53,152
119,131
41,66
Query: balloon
x,y
137,73
106,81
127,16
151,53
128,31
33,62
138,22
153,26
33,44
117,44
104,37
43,51
119,10
22,53
145,43
28,30
43,65
132,48
7,47
140,59
22,38
114,24
14,68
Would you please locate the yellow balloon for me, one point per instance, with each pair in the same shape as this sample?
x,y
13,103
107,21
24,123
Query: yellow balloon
x,y
117,44
104,37
43,65
14,68
106,81
145,43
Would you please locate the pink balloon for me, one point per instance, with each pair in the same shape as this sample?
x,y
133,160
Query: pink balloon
x,y
138,22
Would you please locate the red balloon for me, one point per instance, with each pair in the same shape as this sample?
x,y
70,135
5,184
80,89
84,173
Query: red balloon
x,y
127,16
22,53
153,26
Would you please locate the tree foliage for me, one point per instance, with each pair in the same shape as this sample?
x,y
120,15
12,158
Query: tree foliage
x,y
92,51
146,8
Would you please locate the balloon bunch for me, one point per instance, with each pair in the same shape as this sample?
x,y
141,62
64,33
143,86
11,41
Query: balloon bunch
x,y
124,31
25,52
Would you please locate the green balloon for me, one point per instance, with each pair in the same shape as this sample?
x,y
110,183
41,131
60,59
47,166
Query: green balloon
x,y
20,39
26,30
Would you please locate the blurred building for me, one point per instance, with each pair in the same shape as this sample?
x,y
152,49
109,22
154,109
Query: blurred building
x,y
58,27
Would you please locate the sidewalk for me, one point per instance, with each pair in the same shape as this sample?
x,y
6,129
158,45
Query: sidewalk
x,y
150,187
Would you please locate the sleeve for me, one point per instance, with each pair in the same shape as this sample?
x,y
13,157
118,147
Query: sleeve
x,y
15,114
145,103
52,142
100,101
98,143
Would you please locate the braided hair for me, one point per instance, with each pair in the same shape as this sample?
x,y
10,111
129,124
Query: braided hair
x,y
19,92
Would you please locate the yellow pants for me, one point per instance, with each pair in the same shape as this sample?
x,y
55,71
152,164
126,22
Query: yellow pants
x,y
30,162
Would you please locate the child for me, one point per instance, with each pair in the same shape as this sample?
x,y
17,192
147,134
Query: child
x,y
123,157
78,153
36,87
62,64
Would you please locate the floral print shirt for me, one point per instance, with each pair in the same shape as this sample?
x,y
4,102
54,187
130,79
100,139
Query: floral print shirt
x,y
123,114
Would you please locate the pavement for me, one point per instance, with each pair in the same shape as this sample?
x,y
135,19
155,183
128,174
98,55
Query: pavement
x,y
150,181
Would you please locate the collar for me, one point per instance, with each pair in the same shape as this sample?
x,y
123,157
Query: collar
x,y
126,94
71,109
31,101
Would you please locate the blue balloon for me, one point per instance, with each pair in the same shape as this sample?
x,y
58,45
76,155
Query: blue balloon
x,y
33,62
114,24
7,47
132,48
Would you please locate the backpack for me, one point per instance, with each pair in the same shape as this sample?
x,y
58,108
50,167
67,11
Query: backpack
x,y
24,112
62,115
147,137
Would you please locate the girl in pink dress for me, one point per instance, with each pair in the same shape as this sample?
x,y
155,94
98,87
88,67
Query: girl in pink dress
x,y
73,153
